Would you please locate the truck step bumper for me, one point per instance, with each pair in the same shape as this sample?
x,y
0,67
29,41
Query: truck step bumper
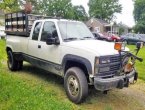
x,y
110,83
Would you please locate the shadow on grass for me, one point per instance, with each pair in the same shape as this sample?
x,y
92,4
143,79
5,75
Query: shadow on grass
x,y
42,74
52,78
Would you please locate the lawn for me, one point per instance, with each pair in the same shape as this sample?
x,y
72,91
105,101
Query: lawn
x,y
18,93
140,66
35,89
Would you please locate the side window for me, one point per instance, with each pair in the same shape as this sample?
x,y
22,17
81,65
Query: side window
x,y
36,31
49,29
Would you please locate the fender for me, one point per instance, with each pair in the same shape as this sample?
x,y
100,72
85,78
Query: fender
x,y
84,61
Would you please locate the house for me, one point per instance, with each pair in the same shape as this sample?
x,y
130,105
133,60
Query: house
x,y
102,26
125,29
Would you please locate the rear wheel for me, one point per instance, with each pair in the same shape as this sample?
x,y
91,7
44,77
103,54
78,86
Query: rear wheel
x,y
13,64
76,85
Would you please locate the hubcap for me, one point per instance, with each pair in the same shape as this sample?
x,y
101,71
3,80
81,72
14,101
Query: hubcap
x,y
73,86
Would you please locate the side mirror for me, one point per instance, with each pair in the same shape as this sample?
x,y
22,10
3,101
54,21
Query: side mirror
x,y
139,45
51,41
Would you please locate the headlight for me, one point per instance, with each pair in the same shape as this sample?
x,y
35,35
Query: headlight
x,y
104,60
99,61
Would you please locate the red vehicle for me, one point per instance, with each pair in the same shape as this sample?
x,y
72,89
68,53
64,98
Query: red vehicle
x,y
111,37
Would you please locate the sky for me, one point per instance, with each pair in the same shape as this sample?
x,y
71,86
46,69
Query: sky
x,y
126,17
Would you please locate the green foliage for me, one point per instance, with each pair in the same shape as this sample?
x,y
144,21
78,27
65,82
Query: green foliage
x,y
139,16
60,8
104,9
9,6
16,94
140,65
121,30
80,13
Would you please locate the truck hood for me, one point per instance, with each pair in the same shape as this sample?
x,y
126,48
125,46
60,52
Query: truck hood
x,y
97,47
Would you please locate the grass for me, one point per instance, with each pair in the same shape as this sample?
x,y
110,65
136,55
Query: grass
x,y
140,66
18,93
35,89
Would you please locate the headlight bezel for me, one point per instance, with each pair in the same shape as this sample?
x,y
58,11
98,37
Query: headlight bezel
x,y
100,61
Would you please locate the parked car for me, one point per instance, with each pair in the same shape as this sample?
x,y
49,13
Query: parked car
x,y
111,37
99,36
132,38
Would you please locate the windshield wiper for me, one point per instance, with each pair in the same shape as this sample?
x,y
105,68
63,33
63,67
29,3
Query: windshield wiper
x,y
71,38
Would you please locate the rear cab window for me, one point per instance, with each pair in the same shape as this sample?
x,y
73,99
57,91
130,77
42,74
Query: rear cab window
x,y
36,31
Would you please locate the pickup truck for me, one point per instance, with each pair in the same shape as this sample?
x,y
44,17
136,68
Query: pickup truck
x,y
67,48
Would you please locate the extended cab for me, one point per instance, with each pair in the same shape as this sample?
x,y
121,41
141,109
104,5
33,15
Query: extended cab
x,y
66,48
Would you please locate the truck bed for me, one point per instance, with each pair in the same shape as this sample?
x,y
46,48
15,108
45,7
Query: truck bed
x,y
20,43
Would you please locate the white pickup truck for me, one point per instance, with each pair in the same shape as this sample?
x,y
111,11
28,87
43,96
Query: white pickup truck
x,y
67,48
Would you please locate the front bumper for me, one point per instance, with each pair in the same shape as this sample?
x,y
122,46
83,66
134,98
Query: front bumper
x,y
110,83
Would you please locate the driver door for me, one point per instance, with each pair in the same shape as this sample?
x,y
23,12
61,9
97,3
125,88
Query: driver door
x,y
49,53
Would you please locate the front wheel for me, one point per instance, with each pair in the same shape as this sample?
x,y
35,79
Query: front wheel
x,y
76,86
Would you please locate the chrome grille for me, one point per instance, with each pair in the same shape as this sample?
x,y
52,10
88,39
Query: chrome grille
x,y
115,58
115,67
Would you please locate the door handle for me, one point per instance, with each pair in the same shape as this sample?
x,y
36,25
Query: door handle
x,y
39,46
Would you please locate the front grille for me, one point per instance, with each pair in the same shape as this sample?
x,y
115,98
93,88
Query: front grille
x,y
116,58
115,67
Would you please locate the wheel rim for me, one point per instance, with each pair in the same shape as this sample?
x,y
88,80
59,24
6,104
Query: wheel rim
x,y
73,86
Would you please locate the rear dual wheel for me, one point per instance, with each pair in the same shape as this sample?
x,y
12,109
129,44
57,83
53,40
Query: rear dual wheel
x,y
13,64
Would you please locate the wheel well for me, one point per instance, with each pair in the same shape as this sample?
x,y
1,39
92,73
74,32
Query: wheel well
x,y
70,64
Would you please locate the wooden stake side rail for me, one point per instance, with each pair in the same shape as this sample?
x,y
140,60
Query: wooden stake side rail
x,y
20,23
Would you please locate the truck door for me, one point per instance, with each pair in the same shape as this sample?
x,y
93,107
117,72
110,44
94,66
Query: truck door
x,y
49,53
33,45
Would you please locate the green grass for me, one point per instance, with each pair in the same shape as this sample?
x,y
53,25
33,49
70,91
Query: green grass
x,y
140,66
18,93
35,89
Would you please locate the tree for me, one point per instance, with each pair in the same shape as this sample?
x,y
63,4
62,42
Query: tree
x,y
139,16
9,5
57,8
60,8
80,13
104,9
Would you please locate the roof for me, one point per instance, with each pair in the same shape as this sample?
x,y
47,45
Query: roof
x,y
102,22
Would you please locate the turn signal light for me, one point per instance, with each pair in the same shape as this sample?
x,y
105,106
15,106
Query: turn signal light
x,y
118,46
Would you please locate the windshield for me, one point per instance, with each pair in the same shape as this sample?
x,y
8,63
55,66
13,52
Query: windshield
x,y
74,30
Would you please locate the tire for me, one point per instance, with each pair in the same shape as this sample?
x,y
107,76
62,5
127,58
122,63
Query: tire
x,y
75,84
20,65
12,63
